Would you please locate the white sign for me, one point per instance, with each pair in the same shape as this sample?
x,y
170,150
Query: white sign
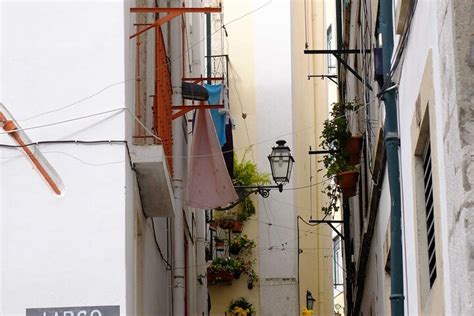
x,y
75,311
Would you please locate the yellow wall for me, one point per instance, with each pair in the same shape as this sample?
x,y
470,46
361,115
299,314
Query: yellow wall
x,y
309,104
309,112
240,48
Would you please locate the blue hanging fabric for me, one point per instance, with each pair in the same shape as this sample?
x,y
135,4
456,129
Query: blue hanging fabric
x,y
217,117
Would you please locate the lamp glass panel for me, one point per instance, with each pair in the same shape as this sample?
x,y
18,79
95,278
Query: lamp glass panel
x,y
280,161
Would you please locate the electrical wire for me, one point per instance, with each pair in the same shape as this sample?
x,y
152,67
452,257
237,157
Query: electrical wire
x,y
76,142
159,139
63,121
76,102
132,79
166,262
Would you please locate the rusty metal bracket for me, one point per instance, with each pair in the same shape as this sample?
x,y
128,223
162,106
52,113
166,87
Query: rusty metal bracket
x,y
171,13
337,53
330,77
330,223
183,109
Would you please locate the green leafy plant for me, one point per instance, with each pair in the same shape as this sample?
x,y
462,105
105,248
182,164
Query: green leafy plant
x,y
227,264
334,138
240,243
241,306
246,174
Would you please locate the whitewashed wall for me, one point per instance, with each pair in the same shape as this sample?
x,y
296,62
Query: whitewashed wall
x,y
69,250
423,40
278,269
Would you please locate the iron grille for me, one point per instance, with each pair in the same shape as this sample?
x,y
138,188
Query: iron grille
x,y
430,225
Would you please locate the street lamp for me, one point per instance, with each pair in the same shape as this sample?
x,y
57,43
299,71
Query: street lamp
x,y
281,163
309,300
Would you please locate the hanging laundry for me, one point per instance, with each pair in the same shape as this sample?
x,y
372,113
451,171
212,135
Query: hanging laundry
x,y
228,150
209,184
218,117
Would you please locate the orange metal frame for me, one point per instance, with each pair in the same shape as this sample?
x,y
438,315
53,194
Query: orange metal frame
x,y
9,126
162,103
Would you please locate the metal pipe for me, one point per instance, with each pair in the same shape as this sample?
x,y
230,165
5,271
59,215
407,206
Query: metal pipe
x,y
179,291
339,45
348,257
208,46
336,51
198,51
391,141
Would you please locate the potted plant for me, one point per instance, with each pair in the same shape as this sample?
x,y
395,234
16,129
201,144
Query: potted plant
x,y
344,154
219,243
241,307
225,219
240,242
223,270
245,174
353,148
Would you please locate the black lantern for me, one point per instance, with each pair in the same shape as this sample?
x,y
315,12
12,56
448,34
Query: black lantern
x,y
281,163
309,300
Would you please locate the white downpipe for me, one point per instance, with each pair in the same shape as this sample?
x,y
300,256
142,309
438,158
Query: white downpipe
x,y
198,69
179,166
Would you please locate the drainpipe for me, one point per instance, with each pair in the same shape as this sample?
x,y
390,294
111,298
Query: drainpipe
x,y
391,147
350,281
209,46
198,50
339,46
179,151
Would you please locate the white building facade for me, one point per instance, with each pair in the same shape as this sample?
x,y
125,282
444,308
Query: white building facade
x,y
97,226
430,64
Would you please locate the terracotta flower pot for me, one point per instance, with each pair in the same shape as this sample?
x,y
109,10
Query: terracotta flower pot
x,y
353,148
347,181
238,227
234,250
219,244
219,277
227,223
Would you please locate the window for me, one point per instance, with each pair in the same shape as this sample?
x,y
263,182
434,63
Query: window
x,y
429,207
426,201
330,57
337,265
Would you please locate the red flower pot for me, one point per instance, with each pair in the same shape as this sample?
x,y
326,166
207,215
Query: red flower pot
x,y
219,277
238,227
353,148
219,244
226,223
347,182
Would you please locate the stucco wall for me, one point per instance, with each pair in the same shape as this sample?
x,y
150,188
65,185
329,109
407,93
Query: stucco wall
x,y
456,47
71,250
274,115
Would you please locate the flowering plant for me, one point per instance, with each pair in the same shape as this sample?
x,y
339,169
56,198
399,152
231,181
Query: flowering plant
x,y
240,242
222,264
334,138
241,307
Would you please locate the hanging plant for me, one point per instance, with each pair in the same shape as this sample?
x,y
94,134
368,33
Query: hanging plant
x,y
241,307
335,137
241,243
245,174
223,270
